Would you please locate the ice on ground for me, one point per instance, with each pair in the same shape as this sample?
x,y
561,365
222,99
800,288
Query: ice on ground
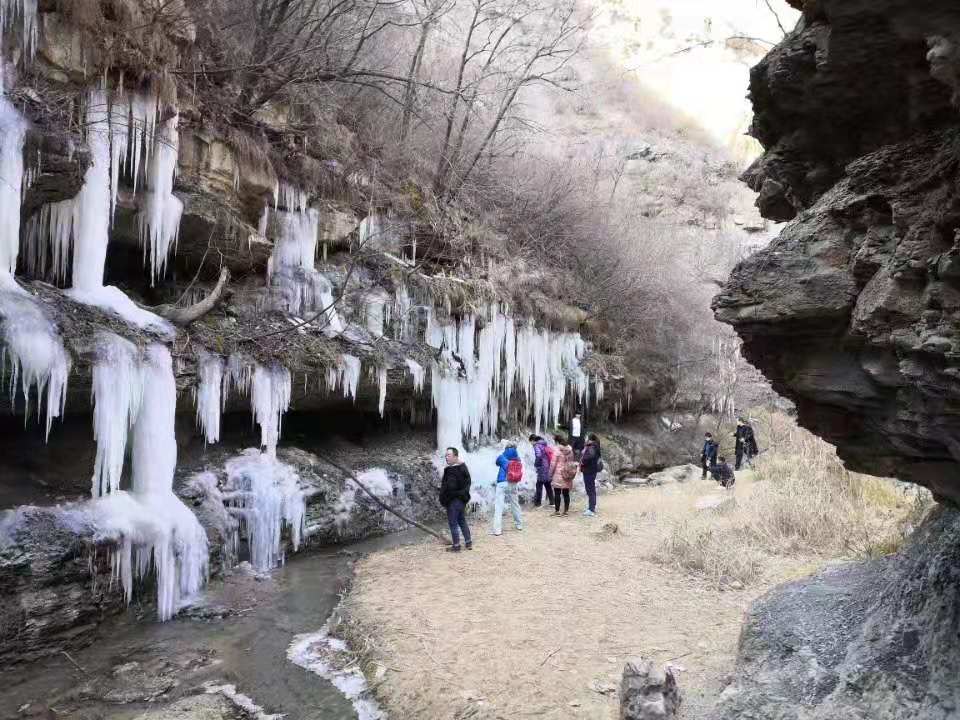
x,y
327,657
377,481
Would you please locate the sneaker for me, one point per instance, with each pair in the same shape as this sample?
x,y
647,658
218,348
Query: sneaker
x,y
469,546
453,548
495,534
589,513
566,512
519,527
556,513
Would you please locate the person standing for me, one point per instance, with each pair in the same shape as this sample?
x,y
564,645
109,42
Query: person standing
x,y
454,496
590,465
708,455
541,463
746,442
576,435
563,469
508,478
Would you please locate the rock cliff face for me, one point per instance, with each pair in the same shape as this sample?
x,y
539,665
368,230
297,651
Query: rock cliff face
x,y
854,311
857,641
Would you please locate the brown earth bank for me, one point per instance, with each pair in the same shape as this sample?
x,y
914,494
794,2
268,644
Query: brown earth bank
x,y
539,622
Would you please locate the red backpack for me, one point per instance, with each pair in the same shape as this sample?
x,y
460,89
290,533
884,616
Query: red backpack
x,y
514,471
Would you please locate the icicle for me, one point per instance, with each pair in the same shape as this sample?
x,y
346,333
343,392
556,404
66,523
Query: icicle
x,y
119,147
117,393
351,375
143,124
402,306
418,373
296,285
26,11
382,384
376,312
35,351
269,400
208,394
599,391
13,131
159,220
91,231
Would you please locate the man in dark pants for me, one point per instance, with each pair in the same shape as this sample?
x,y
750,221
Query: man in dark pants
x,y
454,496
746,442
541,462
708,455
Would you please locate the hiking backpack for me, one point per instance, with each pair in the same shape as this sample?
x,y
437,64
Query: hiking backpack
x,y
569,470
514,471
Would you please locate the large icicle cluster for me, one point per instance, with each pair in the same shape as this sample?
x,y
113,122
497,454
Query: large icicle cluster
x,y
154,530
122,138
34,351
296,286
266,495
26,12
345,375
479,371
208,395
159,220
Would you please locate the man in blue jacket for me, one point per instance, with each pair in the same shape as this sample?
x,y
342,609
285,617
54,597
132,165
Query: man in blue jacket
x,y
708,456
508,478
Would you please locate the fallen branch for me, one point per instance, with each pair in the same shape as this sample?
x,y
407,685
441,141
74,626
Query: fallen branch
x,y
186,315
77,665
378,501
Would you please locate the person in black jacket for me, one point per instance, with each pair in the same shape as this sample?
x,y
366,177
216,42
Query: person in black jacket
x,y
746,442
454,496
590,465
708,456
722,473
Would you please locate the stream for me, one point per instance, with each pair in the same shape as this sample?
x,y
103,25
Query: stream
x,y
236,634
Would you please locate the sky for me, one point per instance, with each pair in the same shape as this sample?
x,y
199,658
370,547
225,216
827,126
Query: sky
x,y
683,52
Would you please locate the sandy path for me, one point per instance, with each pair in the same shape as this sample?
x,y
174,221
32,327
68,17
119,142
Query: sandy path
x,y
538,623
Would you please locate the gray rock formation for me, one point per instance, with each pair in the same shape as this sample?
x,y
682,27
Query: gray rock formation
x,y
648,692
874,641
854,311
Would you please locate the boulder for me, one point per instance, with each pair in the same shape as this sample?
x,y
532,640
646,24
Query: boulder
x,y
859,641
677,474
648,692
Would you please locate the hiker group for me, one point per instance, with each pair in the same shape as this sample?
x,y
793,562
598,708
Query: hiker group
x,y
556,468
745,449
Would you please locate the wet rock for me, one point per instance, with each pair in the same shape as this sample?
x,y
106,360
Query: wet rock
x,y
648,692
198,707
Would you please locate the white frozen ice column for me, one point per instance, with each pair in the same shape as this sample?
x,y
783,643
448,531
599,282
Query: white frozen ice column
x,y
159,219
208,394
269,400
117,394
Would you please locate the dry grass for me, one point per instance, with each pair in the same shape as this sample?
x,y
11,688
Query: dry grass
x,y
802,503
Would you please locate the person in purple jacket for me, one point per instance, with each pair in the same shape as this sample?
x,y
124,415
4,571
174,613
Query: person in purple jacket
x,y
541,462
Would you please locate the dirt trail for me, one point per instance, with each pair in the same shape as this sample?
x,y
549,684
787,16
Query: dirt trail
x,y
538,623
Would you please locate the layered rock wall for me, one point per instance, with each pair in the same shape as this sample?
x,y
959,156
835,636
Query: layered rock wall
x,y
854,310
